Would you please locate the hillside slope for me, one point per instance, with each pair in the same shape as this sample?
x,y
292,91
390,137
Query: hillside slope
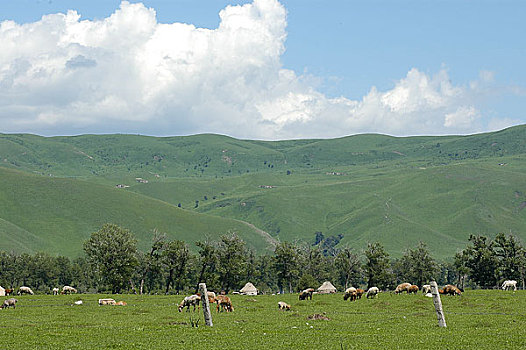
x,y
366,187
56,215
130,156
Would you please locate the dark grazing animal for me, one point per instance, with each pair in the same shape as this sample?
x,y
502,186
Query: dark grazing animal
x,y
306,294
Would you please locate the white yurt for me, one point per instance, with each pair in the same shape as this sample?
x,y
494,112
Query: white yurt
x,y
326,288
2,292
249,289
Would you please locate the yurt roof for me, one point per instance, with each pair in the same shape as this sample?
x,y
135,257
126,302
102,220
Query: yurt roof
x,y
249,287
327,286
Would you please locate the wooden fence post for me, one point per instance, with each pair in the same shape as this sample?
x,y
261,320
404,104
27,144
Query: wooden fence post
x,y
206,304
438,304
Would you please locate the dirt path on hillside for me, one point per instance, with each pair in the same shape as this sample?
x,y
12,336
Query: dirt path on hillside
x,y
266,236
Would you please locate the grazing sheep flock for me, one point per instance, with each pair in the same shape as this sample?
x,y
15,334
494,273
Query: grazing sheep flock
x,y
224,303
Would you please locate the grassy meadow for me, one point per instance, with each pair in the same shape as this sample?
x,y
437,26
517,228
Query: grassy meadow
x,y
481,319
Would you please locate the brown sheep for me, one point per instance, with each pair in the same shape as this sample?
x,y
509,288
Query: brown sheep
x,y
413,289
225,303
402,288
450,290
359,292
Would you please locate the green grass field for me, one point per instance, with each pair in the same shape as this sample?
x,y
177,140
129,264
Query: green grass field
x,y
481,319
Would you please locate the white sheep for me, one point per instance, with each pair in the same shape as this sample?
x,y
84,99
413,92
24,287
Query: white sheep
x,y
107,301
372,292
25,290
55,291
68,290
192,300
507,285
283,305
426,288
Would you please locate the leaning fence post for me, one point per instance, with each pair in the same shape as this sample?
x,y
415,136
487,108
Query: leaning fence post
x,y
438,304
206,304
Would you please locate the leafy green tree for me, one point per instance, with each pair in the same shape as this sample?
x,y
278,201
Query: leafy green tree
x,y
265,278
252,273
207,264
313,263
417,266
43,271
481,260
377,267
8,269
285,263
232,253
149,270
349,267
112,252
447,274
64,271
84,276
510,256
306,281
176,257
460,264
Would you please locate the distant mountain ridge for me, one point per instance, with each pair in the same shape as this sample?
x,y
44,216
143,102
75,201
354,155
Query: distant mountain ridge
x,y
398,191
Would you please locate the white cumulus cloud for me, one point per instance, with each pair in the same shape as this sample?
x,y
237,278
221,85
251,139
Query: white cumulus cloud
x,y
129,73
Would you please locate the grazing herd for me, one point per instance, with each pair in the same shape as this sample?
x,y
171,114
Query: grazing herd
x,y
224,303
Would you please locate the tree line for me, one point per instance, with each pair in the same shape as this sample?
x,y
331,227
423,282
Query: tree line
x,y
112,263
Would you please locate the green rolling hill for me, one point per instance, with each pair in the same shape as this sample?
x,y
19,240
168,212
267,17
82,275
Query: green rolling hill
x,y
56,191
57,214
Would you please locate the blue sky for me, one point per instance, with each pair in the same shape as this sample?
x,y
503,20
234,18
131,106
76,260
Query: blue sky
x,y
343,67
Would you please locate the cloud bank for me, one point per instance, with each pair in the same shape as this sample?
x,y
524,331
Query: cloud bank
x,y
128,73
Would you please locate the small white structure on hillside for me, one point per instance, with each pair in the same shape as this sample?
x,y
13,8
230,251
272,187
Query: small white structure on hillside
x,y
326,288
249,289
